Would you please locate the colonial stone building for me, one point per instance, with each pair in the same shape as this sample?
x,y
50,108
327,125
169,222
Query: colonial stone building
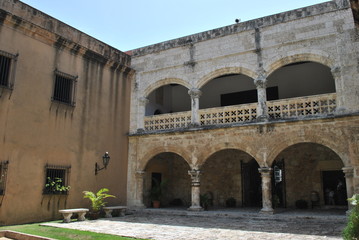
x,y
262,113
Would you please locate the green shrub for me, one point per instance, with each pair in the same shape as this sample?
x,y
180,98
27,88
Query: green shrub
x,y
351,231
97,199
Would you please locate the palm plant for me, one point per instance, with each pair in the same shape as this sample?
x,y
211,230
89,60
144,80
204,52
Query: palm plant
x,y
97,200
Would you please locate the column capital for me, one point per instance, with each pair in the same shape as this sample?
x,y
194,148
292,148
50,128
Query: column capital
x,y
195,93
348,171
143,101
335,71
195,176
261,81
140,174
265,171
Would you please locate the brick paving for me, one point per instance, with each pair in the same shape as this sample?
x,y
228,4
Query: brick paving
x,y
211,225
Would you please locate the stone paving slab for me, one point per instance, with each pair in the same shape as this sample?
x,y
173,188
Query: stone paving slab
x,y
183,227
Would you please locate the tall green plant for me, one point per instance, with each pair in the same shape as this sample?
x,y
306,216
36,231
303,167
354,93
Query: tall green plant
x,y
97,200
351,231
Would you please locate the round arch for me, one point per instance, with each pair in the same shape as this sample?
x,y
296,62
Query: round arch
x,y
226,71
286,143
164,82
300,57
225,146
154,152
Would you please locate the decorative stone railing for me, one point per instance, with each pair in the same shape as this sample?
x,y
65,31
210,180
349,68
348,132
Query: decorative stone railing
x,y
302,106
167,121
279,109
228,114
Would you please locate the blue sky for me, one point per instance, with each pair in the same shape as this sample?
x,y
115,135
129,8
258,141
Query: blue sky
x,y
131,24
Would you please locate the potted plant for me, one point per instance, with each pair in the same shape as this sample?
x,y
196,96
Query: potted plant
x,y
156,192
97,201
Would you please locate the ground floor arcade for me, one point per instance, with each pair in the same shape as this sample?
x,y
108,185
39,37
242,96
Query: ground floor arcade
x,y
266,165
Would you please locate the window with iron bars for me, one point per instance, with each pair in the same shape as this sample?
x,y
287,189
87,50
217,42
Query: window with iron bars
x,y
64,90
3,176
7,69
56,179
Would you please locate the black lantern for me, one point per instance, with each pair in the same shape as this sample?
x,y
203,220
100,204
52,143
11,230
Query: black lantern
x,y
105,160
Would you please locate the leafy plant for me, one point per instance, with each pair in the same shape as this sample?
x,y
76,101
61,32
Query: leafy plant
x,y
204,201
351,231
97,199
56,185
157,189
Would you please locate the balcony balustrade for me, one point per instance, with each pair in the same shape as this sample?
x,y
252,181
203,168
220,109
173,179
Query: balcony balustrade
x,y
291,108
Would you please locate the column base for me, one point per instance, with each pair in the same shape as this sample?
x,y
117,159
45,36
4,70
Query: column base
x,y
141,130
269,211
193,125
195,209
262,118
340,111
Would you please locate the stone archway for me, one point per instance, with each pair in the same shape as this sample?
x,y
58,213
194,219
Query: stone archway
x,y
231,174
305,174
226,71
170,170
280,61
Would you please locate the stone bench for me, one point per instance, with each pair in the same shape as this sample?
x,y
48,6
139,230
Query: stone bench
x,y
67,213
108,210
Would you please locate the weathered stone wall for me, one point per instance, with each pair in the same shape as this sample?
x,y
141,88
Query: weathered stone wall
x,y
323,33
264,142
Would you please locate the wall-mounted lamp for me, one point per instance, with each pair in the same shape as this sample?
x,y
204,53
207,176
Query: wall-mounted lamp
x,y
105,160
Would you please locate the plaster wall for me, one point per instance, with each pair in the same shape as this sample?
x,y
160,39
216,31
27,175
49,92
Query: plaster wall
x,y
36,131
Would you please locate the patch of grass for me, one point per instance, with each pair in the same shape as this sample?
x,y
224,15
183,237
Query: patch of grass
x,y
61,233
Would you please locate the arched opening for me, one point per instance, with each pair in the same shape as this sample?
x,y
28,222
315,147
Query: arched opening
x,y
168,99
232,89
308,175
231,175
170,171
301,79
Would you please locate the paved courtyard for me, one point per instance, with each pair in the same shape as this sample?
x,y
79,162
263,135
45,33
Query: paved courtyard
x,y
178,225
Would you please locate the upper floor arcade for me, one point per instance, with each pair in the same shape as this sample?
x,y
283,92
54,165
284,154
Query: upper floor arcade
x,y
294,65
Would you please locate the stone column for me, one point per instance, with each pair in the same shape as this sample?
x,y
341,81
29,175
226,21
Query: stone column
x,y
340,101
349,173
195,94
266,174
262,111
140,175
196,183
142,102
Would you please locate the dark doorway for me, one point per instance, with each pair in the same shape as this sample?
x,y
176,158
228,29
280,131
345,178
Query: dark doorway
x,y
278,184
156,179
251,184
334,188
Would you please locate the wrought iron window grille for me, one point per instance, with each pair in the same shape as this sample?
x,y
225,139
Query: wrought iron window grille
x,y
3,176
56,180
7,69
64,88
